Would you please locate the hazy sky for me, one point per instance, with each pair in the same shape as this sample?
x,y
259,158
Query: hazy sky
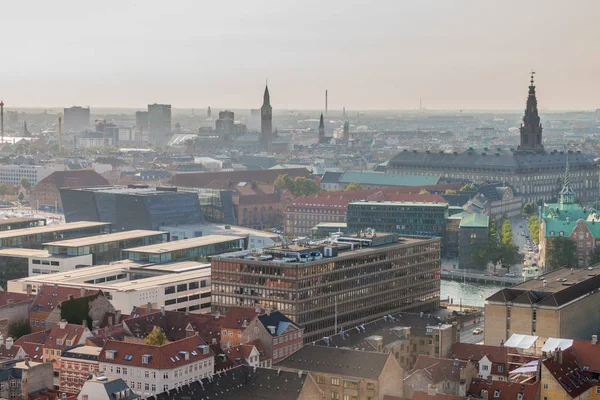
x,y
469,54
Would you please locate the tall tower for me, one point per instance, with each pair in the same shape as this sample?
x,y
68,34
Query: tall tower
x,y
346,131
266,122
531,128
322,138
2,119
566,195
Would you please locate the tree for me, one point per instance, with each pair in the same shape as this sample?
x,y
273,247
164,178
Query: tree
x,y
4,190
299,187
529,208
506,233
560,252
354,186
284,181
450,192
595,256
156,338
19,328
424,191
533,223
25,183
469,187
21,196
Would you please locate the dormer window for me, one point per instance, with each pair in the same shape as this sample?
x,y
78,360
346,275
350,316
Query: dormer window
x,y
59,342
146,358
69,342
110,354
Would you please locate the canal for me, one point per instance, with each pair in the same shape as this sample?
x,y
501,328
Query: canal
x,y
472,294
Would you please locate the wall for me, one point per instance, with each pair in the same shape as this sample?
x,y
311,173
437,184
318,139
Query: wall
x,y
36,266
391,380
554,389
495,324
36,378
547,324
11,313
581,320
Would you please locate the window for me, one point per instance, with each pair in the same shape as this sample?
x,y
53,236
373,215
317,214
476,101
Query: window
x,y
182,287
194,285
348,384
597,389
165,375
501,368
321,379
335,395
370,386
485,367
335,381
170,290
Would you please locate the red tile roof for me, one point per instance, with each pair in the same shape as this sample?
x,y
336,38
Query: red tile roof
x,y
5,297
75,178
263,354
236,315
588,354
475,352
440,369
9,354
166,356
439,396
222,363
48,297
568,372
505,389
70,332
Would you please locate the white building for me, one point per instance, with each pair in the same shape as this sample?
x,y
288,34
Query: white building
x,y
149,370
257,239
12,174
41,262
183,286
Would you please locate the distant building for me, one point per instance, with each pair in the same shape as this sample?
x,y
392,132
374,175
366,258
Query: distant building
x,y
132,207
474,229
450,376
322,138
495,200
76,119
46,193
280,276
225,125
266,122
12,174
21,378
159,123
141,125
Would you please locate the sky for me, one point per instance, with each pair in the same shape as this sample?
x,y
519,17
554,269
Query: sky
x,y
378,54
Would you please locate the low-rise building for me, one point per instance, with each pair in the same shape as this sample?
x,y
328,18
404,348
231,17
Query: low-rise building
x,y
344,373
489,361
12,174
46,303
46,192
77,364
447,375
61,337
563,377
104,388
19,379
474,229
150,370
234,324
9,350
13,309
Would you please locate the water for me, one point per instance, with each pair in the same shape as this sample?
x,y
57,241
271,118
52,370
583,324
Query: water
x,y
472,294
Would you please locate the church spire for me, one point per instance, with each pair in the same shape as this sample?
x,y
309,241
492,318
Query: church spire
x,y
531,129
266,97
567,195
321,122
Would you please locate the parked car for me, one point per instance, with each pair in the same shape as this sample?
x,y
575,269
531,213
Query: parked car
x,y
510,275
477,331
496,273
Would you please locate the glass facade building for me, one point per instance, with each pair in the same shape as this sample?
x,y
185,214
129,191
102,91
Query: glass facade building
x,y
344,288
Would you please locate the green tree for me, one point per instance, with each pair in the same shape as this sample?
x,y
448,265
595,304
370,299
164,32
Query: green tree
x,y
533,223
354,186
4,190
21,196
506,233
529,208
595,256
304,187
25,183
450,192
424,191
469,187
156,338
561,252
19,328
284,181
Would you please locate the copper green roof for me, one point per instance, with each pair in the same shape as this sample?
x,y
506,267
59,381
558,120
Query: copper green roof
x,y
563,218
475,221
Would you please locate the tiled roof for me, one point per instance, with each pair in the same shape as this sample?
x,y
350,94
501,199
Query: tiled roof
x,y
57,337
505,389
438,396
6,297
11,353
234,319
167,356
330,360
200,179
222,362
278,320
242,383
440,369
588,354
48,297
568,373
474,353
75,178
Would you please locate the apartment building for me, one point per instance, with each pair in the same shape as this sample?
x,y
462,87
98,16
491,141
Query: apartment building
x,y
235,323
351,281
12,174
149,370
61,337
489,361
451,377
76,366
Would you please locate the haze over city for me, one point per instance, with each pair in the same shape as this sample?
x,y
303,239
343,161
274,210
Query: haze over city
x,y
369,55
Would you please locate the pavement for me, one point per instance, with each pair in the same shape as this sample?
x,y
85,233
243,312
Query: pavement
x,y
466,333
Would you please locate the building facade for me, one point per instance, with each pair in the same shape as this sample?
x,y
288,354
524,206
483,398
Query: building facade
x,y
12,174
159,123
345,283
76,118
76,366
47,192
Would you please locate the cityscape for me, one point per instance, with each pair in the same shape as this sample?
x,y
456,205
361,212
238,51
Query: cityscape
x,y
228,245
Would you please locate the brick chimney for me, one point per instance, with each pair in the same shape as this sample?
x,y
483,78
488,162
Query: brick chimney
x,y
9,342
432,390
484,394
62,323
594,339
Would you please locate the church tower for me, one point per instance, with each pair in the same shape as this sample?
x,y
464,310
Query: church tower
x,y
266,122
531,129
322,137
566,195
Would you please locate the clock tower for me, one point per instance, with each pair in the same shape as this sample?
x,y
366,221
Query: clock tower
x,y
266,122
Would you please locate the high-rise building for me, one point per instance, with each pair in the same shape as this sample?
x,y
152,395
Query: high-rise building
x,y
266,122
159,123
346,131
141,124
322,137
331,287
76,119
225,125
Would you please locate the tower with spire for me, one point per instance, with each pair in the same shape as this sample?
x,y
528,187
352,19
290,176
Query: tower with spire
x,y
266,121
566,195
322,137
531,128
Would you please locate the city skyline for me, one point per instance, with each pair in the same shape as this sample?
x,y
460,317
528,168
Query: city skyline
x,y
463,55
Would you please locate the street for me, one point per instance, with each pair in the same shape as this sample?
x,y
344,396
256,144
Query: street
x,y
466,334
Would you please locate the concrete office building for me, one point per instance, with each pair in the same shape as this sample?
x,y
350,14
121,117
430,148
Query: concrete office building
x,y
106,248
76,119
19,263
181,286
12,174
132,207
560,304
13,223
159,123
34,238
344,283
256,238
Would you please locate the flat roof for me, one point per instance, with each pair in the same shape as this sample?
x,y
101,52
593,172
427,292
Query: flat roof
x,y
14,220
168,247
180,266
151,282
332,224
38,230
105,238
81,274
87,350
218,229
400,203
26,253
555,280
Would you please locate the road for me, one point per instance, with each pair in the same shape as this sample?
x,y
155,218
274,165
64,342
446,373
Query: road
x,y
466,334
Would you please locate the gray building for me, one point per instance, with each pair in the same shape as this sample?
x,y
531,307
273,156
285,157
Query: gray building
x,y
76,119
534,173
159,123
474,229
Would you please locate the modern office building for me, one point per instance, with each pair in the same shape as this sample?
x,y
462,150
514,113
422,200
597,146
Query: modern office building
x,y
531,171
106,248
12,174
559,304
13,223
132,207
76,119
34,238
198,248
182,286
159,123
256,238
350,281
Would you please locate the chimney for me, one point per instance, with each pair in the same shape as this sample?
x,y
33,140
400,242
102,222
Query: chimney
x,y
594,339
84,324
484,394
82,292
28,290
217,315
9,342
148,307
62,323
162,310
463,375
117,316
187,312
432,390
110,320
1,339
559,352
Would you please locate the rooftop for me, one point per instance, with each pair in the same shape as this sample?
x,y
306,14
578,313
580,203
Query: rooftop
x,y
16,220
39,230
106,238
383,179
132,190
475,221
168,247
441,204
